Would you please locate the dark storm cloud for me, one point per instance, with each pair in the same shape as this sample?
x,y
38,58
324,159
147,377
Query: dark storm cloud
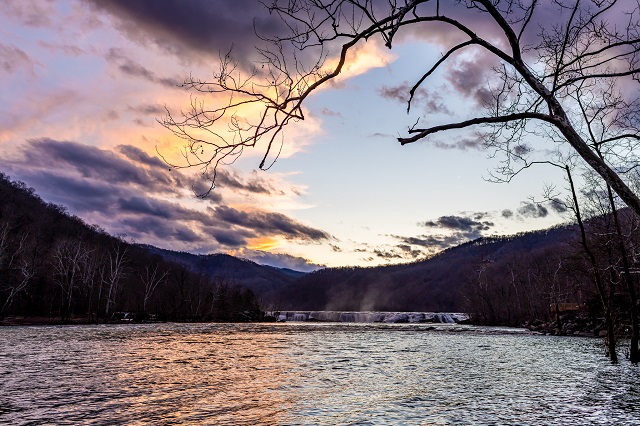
x,y
193,27
270,222
430,102
400,251
470,78
134,69
135,168
529,209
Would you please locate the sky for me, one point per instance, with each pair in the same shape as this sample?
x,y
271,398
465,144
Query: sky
x,y
83,83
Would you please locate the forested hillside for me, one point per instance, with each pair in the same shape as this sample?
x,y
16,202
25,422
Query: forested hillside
x,y
56,267
510,280
441,283
264,281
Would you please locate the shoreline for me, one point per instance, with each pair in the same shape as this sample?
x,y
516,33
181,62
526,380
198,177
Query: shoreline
x,y
21,321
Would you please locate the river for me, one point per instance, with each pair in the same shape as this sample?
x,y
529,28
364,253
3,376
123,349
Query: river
x,y
309,374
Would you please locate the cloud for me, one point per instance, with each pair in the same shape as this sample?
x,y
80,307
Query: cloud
x,y
271,222
137,155
67,49
532,210
280,260
128,191
31,13
430,102
13,60
255,184
471,77
455,230
191,29
387,255
148,109
330,113
229,238
529,209
134,69
461,223
463,144
434,243
558,205
96,163
506,213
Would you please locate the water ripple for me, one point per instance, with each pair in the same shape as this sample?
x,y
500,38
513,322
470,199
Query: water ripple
x,y
316,374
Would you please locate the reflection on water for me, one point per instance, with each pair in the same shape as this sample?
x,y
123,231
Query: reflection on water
x,y
308,374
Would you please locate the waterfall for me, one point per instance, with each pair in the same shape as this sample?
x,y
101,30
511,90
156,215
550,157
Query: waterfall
x,y
368,317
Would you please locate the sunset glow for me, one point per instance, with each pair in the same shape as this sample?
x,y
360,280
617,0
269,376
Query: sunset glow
x,y
85,83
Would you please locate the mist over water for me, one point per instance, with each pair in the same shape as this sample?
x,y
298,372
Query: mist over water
x,y
309,373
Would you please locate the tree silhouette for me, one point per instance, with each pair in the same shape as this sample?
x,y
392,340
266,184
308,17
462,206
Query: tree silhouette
x,y
543,67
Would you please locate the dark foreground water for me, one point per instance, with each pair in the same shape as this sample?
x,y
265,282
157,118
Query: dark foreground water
x,y
315,374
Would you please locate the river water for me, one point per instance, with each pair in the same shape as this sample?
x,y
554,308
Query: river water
x,y
311,374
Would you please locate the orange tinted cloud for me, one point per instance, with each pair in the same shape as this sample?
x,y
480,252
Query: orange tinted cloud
x,y
263,243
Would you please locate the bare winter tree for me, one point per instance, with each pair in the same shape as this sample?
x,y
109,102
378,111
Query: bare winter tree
x,y
152,277
112,274
68,258
16,263
543,63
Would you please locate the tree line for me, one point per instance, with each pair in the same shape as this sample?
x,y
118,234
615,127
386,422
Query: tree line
x,y
56,267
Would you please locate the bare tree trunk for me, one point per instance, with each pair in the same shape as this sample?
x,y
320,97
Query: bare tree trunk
x,y
113,274
607,301
634,356
151,279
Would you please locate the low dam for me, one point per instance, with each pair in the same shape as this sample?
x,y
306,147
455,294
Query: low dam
x,y
368,317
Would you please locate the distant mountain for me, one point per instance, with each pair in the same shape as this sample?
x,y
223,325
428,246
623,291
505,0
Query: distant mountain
x,y
435,284
53,265
264,281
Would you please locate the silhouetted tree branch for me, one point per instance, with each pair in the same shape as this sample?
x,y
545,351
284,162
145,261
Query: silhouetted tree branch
x,y
540,74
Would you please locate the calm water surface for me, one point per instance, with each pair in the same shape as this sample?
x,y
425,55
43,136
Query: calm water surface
x,y
315,374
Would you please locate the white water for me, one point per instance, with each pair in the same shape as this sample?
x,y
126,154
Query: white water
x,y
368,317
